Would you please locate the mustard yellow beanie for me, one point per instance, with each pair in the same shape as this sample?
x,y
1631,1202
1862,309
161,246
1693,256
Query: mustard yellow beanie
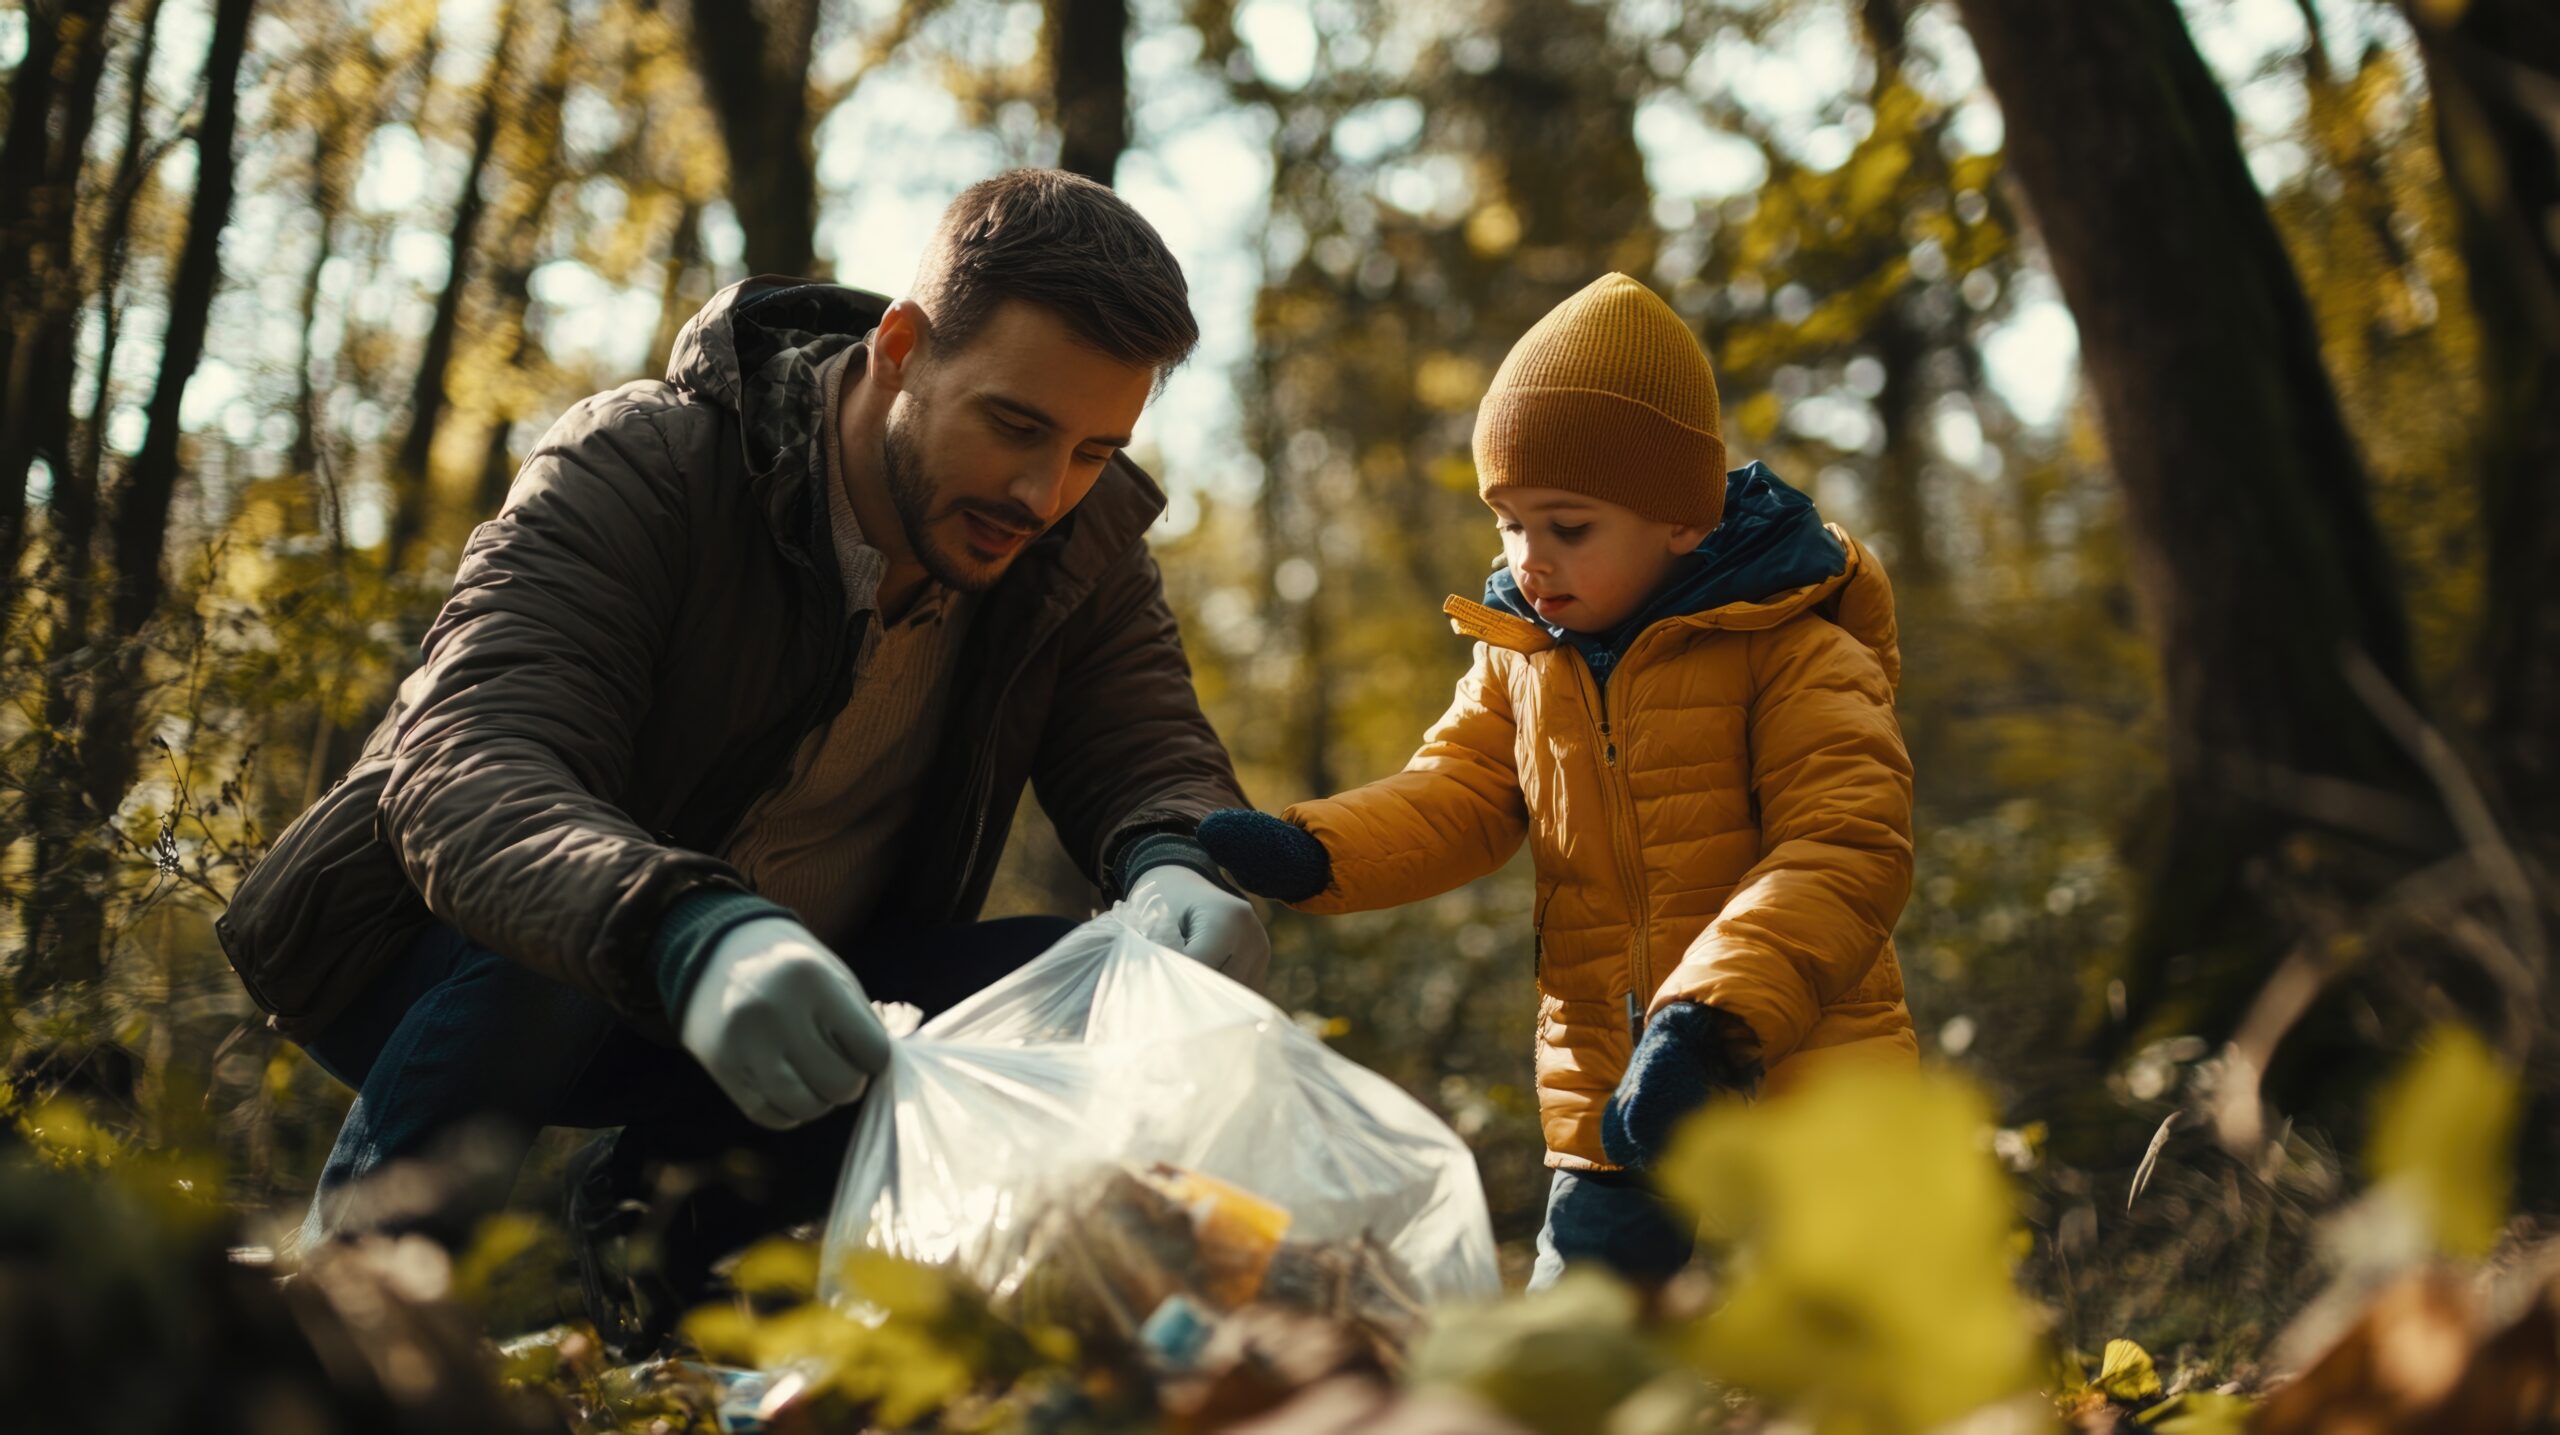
x,y
1608,396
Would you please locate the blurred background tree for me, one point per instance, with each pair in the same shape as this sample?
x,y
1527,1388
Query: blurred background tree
x,y
292,284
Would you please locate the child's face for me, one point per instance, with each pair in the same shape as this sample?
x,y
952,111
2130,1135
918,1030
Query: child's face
x,y
1585,564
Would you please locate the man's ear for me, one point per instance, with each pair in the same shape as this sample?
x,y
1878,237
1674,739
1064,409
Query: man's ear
x,y
898,345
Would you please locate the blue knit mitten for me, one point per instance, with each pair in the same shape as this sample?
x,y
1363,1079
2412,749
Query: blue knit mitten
x,y
1690,1051
1267,856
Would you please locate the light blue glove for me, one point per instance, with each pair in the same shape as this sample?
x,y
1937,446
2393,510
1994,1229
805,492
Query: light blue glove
x,y
1178,908
781,1024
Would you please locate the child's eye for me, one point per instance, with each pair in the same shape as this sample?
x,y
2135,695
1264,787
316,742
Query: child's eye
x,y
1506,525
1570,534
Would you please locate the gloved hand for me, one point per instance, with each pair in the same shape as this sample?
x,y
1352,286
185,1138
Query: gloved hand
x,y
1268,856
1690,1051
1181,909
781,1024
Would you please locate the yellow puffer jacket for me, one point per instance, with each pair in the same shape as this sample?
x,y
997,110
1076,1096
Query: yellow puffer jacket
x,y
1732,826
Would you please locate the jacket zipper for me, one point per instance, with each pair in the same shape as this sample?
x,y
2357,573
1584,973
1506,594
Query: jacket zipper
x,y
1622,832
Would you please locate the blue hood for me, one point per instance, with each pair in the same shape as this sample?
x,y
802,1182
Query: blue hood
x,y
1770,541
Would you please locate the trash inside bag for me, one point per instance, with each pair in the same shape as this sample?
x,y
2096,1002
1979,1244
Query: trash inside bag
x,y
1116,1126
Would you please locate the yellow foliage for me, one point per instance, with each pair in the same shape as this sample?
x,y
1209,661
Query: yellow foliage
x,y
778,1266
1757,418
902,1288
2201,1413
1454,470
1846,315
906,1355
1556,1360
1868,1231
1873,174
2127,1372
2444,1139
1494,230
497,1243
1449,382
64,1136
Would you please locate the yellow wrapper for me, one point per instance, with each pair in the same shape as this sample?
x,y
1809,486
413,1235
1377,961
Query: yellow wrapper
x,y
1238,1231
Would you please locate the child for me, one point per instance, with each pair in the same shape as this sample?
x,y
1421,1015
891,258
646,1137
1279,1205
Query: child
x,y
1682,697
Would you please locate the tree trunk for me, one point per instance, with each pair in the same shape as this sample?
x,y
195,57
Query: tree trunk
x,y
2495,72
311,457
684,254
44,294
412,489
2258,557
26,145
304,457
115,246
1901,497
1086,44
37,423
543,174
140,519
1902,346
62,820
23,155
754,59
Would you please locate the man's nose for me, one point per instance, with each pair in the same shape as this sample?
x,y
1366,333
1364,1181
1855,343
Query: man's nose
x,y
1041,486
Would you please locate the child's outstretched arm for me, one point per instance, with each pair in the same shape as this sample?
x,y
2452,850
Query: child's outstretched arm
x,y
1452,815
1833,785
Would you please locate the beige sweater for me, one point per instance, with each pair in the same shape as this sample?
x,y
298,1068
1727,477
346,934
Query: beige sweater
x,y
821,843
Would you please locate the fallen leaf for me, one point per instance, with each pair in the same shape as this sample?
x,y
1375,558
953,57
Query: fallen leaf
x,y
2127,1373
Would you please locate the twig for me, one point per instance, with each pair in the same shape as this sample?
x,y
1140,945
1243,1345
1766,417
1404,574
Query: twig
x,y
2239,1117
2151,1158
2463,802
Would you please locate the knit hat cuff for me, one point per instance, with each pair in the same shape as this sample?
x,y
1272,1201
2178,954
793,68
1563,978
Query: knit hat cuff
x,y
1602,445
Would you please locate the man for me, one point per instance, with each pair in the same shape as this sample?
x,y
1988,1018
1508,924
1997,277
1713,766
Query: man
x,y
718,737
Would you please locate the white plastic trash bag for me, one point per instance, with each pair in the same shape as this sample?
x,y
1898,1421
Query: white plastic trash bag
x,y
1116,1125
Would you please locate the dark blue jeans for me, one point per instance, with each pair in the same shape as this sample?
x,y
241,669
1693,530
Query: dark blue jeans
x,y
457,1036
1614,1219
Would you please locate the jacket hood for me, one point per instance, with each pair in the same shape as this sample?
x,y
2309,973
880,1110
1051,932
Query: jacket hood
x,y
745,326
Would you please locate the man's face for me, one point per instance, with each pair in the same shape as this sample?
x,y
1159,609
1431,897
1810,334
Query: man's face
x,y
987,447
1584,564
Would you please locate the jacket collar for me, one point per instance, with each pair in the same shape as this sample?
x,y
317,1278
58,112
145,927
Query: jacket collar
x,y
1483,623
1771,559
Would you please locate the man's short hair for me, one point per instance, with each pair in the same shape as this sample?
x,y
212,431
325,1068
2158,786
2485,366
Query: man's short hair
x,y
1065,243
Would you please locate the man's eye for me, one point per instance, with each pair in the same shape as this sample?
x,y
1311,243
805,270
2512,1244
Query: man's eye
x,y
1010,429
1096,459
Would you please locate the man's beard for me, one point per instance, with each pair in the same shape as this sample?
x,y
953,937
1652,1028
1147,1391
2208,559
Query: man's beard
x,y
911,493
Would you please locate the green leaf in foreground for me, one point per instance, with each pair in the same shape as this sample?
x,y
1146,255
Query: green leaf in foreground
x,y
2444,1139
